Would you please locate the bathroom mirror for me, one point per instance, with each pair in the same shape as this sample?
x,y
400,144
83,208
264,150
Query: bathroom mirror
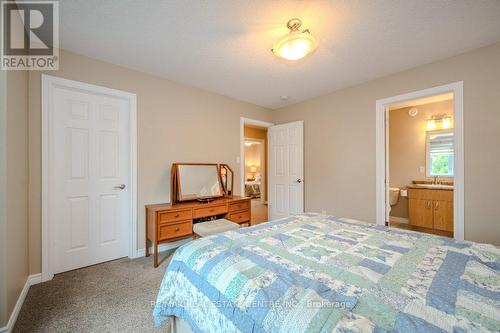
x,y
198,181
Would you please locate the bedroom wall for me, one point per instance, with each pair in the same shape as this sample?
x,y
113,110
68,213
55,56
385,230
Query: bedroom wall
x,y
176,123
3,217
14,206
407,147
252,158
340,139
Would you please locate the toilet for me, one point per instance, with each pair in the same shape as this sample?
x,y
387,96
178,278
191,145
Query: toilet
x,y
393,195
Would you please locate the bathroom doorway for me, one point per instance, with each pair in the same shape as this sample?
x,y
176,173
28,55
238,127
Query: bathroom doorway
x,y
420,172
421,161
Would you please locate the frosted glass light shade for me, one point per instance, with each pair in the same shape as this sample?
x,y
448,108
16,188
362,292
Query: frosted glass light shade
x,y
294,46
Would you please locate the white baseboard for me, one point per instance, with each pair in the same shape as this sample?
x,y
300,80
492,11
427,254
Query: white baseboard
x,y
398,219
31,280
163,247
35,279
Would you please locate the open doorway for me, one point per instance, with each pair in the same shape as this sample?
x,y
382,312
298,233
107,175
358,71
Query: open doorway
x,y
420,161
282,193
420,171
255,170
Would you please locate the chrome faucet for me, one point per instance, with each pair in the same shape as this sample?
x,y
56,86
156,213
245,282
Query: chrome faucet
x,y
436,180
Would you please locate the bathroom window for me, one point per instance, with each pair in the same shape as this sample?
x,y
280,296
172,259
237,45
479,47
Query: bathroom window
x,y
439,153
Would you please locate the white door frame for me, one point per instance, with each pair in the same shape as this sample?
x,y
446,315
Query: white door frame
x,y
48,84
458,115
247,121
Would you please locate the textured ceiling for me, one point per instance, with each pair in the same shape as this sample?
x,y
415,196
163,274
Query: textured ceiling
x,y
224,46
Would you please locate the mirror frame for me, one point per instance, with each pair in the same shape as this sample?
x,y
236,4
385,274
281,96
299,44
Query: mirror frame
x,y
228,192
177,192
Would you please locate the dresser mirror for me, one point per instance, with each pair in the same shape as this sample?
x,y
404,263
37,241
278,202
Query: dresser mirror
x,y
227,179
197,181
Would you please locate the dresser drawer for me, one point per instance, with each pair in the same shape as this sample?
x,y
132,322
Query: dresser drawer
x,y
170,231
210,211
239,217
241,205
174,216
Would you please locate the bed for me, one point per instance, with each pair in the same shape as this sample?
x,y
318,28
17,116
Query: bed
x,y
252,188
318,273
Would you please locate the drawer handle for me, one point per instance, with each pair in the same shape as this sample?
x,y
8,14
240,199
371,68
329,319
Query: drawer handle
x,y
212,210
239,216
176,215
177,229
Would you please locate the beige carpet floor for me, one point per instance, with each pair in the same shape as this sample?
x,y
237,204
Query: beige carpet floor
x,y
259,211
116,296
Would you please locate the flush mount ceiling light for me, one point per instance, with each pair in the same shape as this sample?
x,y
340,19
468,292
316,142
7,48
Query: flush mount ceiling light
x,y
413,112
251,143
297,44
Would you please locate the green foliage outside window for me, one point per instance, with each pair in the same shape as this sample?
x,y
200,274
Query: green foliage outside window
x,y
442,164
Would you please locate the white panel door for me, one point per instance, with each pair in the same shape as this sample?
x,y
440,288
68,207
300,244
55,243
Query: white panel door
x,y
286,169
89,174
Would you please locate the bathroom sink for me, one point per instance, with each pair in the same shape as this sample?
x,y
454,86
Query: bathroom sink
x,y
435,186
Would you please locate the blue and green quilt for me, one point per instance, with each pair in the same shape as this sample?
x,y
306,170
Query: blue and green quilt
x,y
318,273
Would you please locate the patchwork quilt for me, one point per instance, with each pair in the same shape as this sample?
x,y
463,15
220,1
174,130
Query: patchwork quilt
x,y
318,273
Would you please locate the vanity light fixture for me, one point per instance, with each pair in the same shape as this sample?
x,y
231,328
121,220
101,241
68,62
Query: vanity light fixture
x,y
439,123
297,44
431,124
446,122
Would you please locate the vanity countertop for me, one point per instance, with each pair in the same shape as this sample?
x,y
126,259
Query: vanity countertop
x,y
440,187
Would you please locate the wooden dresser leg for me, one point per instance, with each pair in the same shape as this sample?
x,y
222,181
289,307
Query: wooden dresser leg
x,y
146,221
155,249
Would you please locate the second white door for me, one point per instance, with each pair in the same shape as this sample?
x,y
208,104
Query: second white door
x,y
90,177
286,169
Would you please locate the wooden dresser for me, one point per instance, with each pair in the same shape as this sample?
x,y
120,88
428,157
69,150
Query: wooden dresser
x,y
168,223
431,209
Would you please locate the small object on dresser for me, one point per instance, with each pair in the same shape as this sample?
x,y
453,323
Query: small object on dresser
x,y
227,179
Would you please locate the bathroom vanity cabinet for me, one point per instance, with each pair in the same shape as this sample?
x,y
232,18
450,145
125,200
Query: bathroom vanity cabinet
x,y
431,208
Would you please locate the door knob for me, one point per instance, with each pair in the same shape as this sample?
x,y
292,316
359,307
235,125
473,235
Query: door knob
x,y
121,187
299,180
